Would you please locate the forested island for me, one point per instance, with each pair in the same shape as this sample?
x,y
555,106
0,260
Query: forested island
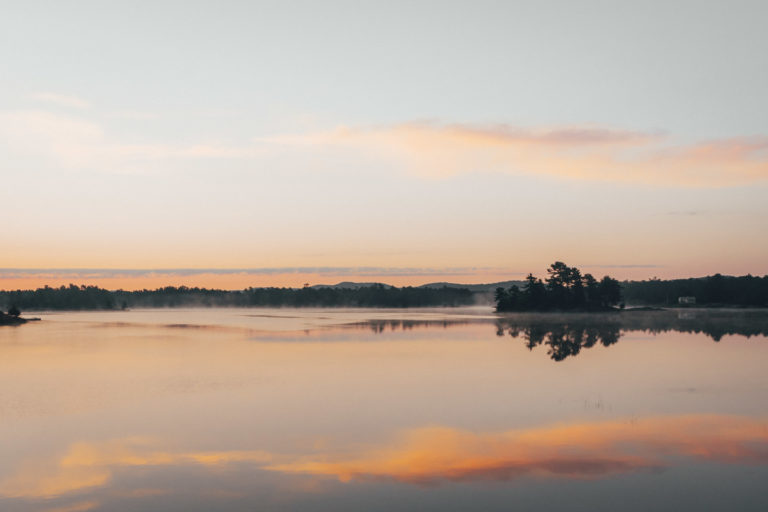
x,y
12,317
6,319
565,289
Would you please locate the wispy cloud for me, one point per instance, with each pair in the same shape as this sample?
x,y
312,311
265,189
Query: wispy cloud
x,y
685,213
584,136
135,115
426,149
630,265
61,100
580,153
82,144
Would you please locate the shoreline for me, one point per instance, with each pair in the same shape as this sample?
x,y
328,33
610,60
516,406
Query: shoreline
x,y
6,319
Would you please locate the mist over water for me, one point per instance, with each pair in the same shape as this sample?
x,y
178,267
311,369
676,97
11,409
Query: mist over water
x,y
352,409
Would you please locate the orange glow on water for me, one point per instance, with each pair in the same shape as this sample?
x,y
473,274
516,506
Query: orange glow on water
x,y
433,454
589,450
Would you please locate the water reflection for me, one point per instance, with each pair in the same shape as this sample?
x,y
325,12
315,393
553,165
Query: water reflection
x,y
426,456
89,465
563,340
214,410
432,455
566,335
379,326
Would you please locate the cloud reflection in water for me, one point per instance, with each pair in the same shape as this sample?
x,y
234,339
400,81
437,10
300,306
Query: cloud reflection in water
x,y
430,455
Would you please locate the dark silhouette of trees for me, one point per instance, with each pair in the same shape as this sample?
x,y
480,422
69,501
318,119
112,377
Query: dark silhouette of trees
x,y
608,292
716,290
12,318
94,298
565,290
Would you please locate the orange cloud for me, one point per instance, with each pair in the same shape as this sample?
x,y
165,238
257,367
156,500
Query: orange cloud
x,y
590,153
429,149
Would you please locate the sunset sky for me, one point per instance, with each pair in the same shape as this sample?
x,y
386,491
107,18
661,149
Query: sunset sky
x,y
236,144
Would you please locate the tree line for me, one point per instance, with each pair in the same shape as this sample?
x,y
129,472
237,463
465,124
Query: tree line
x,y
711,290
565,289
83,297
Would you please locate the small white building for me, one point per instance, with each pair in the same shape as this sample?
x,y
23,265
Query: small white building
x,y
686,300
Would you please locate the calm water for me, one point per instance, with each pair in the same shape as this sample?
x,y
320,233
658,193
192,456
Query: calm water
x,y
441,409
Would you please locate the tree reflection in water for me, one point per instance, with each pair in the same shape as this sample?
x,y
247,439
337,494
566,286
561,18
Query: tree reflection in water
x,y
567,334
563,340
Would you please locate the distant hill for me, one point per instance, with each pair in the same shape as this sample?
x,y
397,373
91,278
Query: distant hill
x,y
349,285
479,288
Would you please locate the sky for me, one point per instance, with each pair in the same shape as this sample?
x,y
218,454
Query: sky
x,y
236,144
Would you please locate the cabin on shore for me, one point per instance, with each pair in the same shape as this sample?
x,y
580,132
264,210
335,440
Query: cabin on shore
x,y
687,301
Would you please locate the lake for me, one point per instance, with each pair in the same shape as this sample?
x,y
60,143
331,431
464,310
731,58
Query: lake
x,y
351,409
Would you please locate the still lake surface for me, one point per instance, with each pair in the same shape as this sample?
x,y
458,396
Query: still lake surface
x,y
428,409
